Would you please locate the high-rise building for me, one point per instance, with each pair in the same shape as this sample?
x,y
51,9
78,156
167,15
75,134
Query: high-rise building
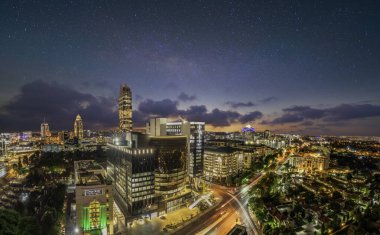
x,y
149,176
267,134
132,169
194,131
170,175
125,109
149,173
45,132
3,147
93,199
195,140
78,127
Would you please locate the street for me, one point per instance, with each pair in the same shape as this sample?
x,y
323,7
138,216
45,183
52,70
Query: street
x,y
233,209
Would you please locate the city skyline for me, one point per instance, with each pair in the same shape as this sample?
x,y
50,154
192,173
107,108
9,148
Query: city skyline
x,y
308,68
189,117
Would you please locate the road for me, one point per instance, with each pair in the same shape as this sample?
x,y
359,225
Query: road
x,y
233,209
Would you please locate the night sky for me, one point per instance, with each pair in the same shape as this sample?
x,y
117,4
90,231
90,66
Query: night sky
x,y
308,67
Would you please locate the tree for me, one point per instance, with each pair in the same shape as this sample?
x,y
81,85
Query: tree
x,y
334,206
28,225
323,229
237,181
228,180
349,176
309,218
19,207
25,160
12,222
336,196
19,163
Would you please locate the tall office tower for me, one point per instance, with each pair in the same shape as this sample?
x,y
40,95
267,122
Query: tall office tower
x,y
267,134
78,127
195,134
132,170
3,147
125,109
170,176
93,198
45,132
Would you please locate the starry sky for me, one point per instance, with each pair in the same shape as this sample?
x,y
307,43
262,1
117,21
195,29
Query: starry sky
x,y
308,67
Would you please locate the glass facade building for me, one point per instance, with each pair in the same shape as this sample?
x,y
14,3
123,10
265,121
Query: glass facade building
x,y
132,170
195,134
170,176
125,109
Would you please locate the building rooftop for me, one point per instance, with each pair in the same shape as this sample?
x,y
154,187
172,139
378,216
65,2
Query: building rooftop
x,y
87,165
238,230
88,172
225,140
221,150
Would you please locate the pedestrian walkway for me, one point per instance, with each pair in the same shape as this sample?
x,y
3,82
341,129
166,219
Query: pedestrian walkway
x,y
163,224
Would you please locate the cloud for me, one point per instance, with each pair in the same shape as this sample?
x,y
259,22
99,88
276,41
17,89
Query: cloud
x,y
138,98
139,119
219,117
59,105
185,97
215,117
285,118
164,107
343,112
248,104
250,117
268,99
307,123
306,112
352,111
236,105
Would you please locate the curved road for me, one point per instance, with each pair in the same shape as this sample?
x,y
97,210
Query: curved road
x,y
232,209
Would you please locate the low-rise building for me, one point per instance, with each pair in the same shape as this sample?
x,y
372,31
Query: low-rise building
x,y
221,162
310,162
93,199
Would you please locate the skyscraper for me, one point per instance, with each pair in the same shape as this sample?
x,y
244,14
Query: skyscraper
x,y
45,132
195,139
78,127
132,170
194,131
170,175
125,109
150,175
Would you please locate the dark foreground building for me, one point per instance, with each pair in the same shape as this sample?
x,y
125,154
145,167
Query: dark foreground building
x,y
170,176
132,171
149,175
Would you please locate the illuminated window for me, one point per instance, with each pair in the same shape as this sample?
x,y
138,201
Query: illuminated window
x,y
94,214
